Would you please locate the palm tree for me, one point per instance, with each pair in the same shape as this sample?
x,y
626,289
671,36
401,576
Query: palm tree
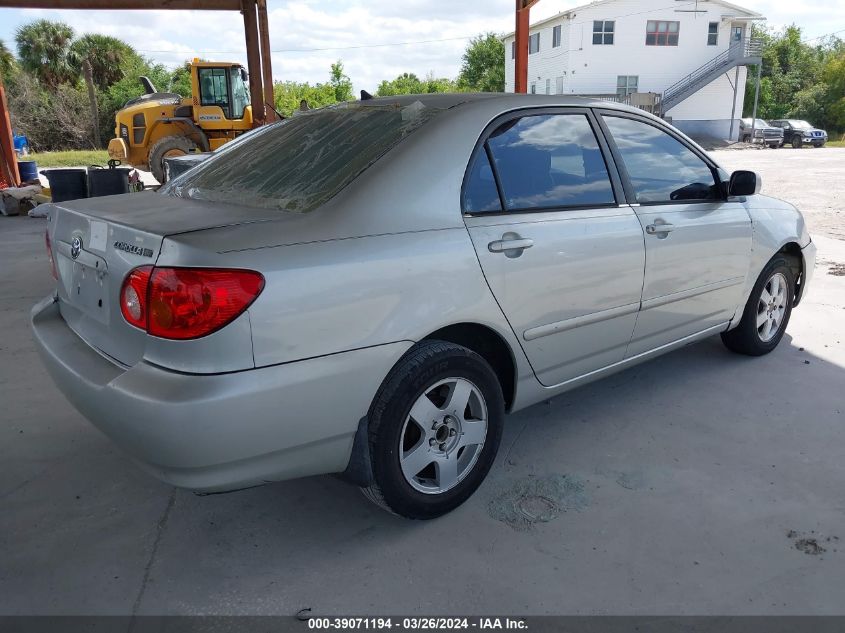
x,y
44,49
107,55
7,60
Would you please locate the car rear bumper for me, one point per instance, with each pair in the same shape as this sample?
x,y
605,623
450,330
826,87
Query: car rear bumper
x,y
212,433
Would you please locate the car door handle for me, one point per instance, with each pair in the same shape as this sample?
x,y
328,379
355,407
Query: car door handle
x,y
502,246
654,229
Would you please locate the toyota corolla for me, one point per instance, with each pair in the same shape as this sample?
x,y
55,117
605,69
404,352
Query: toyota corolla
x,y
369,289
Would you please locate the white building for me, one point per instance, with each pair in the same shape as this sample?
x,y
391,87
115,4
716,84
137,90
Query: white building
x,y
695,49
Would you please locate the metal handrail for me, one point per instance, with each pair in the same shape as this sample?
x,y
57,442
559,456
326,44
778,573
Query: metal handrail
x,y
747,47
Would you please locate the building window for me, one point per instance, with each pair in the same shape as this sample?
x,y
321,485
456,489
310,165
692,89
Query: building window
x,y
513,49
534,44
713,34
662,33
556,36
559,86
603,31
625,85
737,33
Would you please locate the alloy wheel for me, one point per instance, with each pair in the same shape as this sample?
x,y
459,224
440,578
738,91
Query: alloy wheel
x,y
771,307
443,435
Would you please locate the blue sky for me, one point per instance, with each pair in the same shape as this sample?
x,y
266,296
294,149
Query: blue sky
x,y
170,37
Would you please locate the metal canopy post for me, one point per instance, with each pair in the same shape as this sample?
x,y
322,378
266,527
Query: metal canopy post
x,y
266,62
756,101
253,59
523,12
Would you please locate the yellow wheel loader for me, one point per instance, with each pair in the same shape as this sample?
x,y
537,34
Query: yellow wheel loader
x,y
158,125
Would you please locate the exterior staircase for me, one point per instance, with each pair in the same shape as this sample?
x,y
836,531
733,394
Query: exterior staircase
x,y
748,51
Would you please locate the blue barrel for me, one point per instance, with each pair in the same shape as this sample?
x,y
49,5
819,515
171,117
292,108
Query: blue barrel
x,y
28,170
67,184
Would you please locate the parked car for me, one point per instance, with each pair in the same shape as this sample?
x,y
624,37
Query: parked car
x,y
368,289
797,133
763,132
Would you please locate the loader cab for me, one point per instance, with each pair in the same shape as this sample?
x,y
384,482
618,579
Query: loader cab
x,y
220,92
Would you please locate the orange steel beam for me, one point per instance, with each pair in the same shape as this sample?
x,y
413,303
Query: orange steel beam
x,y
253,60
523,12
266,62
8,161
205,5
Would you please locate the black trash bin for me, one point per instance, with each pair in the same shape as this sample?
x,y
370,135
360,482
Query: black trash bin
x,y
67,184
108,182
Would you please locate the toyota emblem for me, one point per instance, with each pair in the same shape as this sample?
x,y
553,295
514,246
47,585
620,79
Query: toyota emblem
x,y
75,247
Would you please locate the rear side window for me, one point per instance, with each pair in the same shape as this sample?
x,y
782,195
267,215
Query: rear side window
x,y
661,168
480,192
547,161
299,164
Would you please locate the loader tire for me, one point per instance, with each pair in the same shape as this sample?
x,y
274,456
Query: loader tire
x,y
166,147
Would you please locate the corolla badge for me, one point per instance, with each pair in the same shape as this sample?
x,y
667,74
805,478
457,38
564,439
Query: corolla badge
x,y
75,247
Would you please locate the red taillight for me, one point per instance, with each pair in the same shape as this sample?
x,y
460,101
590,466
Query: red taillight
x,y
49,246
185,303
133,296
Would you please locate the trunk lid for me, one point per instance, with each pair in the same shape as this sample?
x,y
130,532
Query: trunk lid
x,y
97,241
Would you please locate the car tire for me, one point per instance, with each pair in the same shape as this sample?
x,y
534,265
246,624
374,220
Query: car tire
x,y
168,146
767,311
424,454
773,145
797,143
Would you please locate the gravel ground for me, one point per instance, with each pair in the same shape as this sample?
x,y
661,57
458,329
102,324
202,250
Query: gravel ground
x,y
698,483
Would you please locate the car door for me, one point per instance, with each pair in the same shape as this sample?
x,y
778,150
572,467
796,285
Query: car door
x,y
563,258
697,242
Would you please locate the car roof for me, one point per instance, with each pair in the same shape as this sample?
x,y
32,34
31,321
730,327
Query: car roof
x,y
506,100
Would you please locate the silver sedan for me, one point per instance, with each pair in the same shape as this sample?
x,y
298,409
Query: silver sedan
x,y
368,289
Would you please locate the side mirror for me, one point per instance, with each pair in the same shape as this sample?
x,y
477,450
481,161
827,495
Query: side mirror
x,y
745,183
244,76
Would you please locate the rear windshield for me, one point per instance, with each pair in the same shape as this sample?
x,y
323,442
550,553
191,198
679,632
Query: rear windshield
x,y
299,164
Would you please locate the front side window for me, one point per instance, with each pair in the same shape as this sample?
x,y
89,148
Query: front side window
x,y
626,85
662,33
712,34
534,44
603,31
546,161
556,36
660,168
214,88
300,163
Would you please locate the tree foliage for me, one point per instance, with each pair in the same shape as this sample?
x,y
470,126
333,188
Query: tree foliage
x,y
8,63
44,49
799,79
287,95
483,67
109,57
341,84
410,84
